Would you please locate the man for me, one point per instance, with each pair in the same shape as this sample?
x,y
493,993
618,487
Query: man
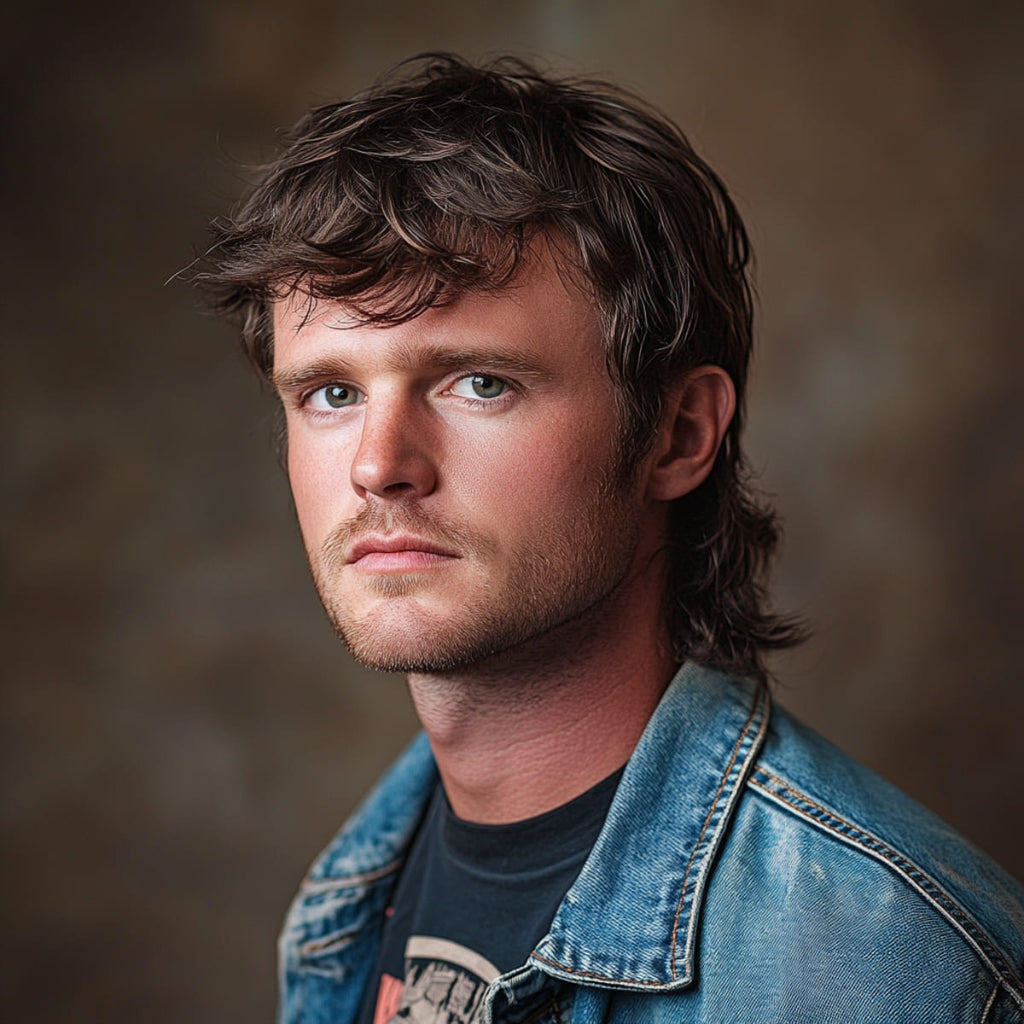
x,y
509,322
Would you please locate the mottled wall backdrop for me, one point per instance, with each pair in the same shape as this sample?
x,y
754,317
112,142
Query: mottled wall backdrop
x,y
180,730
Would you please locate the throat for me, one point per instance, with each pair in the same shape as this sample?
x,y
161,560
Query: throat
x,y
513,750
539,723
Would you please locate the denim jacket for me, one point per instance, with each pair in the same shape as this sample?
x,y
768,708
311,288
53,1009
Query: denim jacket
x,y
747,872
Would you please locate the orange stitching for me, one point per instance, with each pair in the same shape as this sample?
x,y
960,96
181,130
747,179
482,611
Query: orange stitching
x,y
762,697
707,821
892,856
590,974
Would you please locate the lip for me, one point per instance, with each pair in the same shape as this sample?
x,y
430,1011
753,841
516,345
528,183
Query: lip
x,y
400,551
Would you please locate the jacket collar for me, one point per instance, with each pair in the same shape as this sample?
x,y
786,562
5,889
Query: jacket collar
x,y
376,837
630,919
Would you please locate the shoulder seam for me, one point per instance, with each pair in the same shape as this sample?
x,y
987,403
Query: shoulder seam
x,y
831,822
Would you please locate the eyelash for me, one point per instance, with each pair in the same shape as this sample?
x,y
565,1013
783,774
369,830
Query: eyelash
x,y
511,391
306,399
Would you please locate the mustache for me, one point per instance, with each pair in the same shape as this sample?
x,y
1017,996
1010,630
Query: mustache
x,y
375,519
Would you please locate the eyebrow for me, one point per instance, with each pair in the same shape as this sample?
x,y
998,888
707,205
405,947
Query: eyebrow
x,y
289,380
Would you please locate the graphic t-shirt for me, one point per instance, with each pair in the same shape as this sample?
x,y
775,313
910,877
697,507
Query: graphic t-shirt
x,y
472,902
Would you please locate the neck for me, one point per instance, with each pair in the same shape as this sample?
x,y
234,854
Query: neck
x,y
545,722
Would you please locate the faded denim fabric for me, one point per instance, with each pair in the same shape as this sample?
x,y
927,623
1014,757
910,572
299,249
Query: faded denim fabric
x,y
747,872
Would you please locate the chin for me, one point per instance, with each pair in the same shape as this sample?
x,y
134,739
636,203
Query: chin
x,y
433,657
412,640
408,641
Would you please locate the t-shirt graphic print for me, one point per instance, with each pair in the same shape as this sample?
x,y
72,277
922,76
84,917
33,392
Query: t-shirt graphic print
x,y
444,984
472,902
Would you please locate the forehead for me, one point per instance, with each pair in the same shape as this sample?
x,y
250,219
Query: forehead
x,y
541,311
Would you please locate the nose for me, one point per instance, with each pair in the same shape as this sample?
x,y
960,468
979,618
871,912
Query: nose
x,y
395,457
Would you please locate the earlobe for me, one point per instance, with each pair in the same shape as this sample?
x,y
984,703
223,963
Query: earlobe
x,y
697,415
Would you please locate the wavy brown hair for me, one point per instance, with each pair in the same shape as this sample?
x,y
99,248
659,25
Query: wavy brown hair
x,y
436,180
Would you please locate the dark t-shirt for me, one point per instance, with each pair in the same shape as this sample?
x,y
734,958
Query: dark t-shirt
x,y
472,902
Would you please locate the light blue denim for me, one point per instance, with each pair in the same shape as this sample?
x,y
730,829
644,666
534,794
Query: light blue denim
x,y
747,872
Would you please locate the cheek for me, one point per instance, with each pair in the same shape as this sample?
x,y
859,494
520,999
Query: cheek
x,y
319,484
518,482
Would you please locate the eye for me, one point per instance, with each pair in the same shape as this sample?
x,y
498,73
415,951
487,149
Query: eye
x,y
480,385
334,396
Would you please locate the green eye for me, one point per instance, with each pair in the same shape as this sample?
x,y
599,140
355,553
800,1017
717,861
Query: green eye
x,y
487,387
337,396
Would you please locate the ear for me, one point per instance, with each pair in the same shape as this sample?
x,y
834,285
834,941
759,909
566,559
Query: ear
x,y
698,411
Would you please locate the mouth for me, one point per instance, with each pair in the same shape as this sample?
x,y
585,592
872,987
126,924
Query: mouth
x,y
397,553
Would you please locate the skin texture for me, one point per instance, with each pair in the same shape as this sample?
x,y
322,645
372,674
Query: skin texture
x,y
456,484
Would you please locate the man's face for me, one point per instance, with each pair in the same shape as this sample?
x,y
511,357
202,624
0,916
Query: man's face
x,y
457,478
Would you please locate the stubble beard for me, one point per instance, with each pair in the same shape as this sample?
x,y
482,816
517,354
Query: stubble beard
x,y
568,571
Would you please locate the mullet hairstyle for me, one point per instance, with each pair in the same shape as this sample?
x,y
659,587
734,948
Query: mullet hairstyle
x,y
437,180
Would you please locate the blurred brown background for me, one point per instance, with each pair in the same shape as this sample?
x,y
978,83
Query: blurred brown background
x,y
181,733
